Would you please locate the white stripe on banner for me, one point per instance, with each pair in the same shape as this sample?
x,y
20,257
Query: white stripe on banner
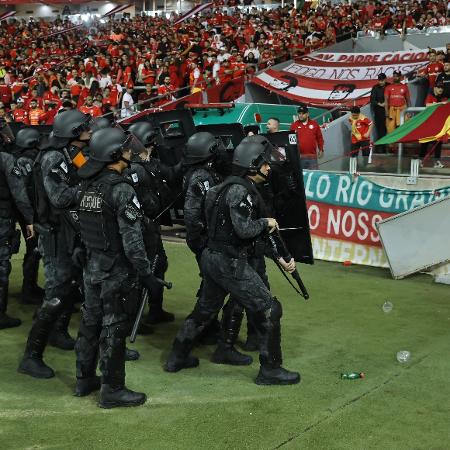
x,y
7,14
117,9
193,11
313,94
349,73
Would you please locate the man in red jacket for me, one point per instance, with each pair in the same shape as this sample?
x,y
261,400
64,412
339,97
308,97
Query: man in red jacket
x,y
309,138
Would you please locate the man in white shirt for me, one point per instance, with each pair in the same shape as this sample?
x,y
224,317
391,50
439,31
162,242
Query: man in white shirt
x,y
127,104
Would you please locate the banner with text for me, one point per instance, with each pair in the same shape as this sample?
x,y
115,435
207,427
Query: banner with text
x,y
330,79
343,213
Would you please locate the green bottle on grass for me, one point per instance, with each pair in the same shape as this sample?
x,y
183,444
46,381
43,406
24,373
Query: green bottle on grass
x,y
352,375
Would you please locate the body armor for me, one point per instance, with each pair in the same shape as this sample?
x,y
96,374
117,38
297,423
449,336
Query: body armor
x,y
5,198
221,234
99,228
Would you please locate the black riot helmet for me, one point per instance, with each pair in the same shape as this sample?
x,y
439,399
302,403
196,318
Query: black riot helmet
x,y
99,123
201,147
106,146
28,138
251,154
144,131
70,124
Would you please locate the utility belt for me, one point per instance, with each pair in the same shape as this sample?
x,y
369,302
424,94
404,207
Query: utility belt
x,y
5,208
229,250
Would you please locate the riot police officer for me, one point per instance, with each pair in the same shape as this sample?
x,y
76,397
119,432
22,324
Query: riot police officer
x,y
201,154
56,186
152,180
26,150
234,221
110,221
12,190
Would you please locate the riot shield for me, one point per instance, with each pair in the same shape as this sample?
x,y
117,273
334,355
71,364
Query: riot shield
x,y
231,134
288,195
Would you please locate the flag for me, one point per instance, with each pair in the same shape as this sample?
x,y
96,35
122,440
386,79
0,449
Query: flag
x,y
432,124
195,10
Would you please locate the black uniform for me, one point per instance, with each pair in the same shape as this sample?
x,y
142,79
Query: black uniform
x,y
31,292
56,185
150,180
12,192
110,219
379,114
234,227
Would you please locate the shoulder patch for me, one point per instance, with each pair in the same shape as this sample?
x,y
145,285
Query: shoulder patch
x,y
132,212
135,177
64,167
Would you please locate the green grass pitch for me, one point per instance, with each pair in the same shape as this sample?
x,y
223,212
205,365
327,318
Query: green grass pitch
x,y
341,328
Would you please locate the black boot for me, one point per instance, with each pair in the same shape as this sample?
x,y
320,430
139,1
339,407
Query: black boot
x,y
60,337
251,344
5,320
270,357
179,357
31,293
119,396
225,352
156,313
131,355
276,375
145,329
113,392
32,363
85,386
211,334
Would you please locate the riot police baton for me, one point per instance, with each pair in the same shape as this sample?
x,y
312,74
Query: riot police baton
x,y
280,251
144,300
167,207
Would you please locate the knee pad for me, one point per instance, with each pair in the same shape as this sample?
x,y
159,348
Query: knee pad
x,y
50,309
276,310
5,270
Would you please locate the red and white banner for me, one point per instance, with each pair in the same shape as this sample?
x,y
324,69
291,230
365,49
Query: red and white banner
x,y
332,79
6,15
195,10
117,9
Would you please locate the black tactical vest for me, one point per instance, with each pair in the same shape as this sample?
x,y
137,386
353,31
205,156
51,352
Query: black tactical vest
x,y
46,213
221,234
98,221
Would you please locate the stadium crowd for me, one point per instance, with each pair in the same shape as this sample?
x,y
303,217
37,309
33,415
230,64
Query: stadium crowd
x,y
115,66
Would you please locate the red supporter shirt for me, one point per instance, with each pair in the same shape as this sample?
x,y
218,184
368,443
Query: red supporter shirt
x,y
309,137
433,70
21,115
397,94
93,110
360,127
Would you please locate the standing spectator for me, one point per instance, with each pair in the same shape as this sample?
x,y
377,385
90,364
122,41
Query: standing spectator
x,y
377,103
437,96
396,97
361,127
35,113
20,114
309,138
444,79
90,108
273,125
433,68
127,104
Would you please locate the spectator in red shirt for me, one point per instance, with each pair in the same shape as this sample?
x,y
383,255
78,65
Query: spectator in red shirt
x,y
20,113
309,138
361,127
90,108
